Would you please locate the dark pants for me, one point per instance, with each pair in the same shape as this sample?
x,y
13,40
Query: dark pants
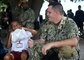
x,y
51,55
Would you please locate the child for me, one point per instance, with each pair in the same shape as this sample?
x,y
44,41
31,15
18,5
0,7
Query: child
x,y
18,42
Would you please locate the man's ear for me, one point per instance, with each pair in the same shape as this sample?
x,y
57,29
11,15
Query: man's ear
x,y
57,11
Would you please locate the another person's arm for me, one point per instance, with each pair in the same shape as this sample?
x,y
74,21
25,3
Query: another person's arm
x,y
9,42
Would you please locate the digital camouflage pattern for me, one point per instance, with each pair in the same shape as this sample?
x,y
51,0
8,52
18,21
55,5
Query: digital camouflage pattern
x,y
27,17
51,32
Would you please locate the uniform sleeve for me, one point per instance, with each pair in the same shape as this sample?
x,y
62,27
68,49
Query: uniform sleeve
x,y
43,31
31,14
30,18
72,29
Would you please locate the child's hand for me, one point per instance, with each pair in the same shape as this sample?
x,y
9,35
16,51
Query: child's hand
x,y
30,43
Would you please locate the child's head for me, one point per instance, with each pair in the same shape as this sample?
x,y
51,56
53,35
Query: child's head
x,y
16,25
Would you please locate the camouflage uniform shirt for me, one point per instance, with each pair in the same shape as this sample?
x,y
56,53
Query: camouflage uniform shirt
x,y
66,29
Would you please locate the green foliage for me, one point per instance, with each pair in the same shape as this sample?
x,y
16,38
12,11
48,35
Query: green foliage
x,y
3,1
3,5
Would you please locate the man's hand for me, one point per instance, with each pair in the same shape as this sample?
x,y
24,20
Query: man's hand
x,y
46,47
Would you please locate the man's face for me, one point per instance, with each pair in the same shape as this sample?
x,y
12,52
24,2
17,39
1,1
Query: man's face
x,y
51,14
25,5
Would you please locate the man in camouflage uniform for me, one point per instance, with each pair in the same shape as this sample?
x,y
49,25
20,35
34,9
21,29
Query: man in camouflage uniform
x,y
60,34
25,14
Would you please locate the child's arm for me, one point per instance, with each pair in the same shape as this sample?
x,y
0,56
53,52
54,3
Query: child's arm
x,y
9,42
32,43
31,30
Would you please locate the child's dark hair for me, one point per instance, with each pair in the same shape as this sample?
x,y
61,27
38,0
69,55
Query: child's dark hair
x,y
19,22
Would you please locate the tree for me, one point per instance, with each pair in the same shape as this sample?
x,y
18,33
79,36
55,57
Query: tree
x,y
36,5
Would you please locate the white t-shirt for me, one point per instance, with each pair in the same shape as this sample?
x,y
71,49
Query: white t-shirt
x,y
20,39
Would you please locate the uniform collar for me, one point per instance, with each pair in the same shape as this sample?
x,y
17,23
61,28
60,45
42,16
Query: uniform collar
x,y
62,22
